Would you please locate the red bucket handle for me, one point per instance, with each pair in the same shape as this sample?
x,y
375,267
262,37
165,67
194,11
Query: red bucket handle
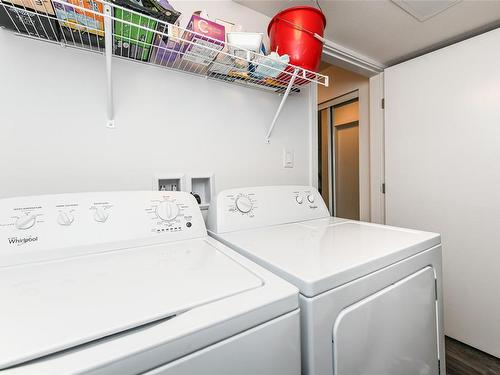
x,y
300,28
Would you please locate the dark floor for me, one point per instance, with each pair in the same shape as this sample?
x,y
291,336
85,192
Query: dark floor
x,y
462,359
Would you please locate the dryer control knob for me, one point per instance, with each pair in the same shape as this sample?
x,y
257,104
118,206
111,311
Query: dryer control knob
x,y
65,218
244,204
101,214
26,221
167,211
310,198
299,199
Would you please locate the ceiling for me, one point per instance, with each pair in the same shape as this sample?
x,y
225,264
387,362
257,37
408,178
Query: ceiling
x,y
384,32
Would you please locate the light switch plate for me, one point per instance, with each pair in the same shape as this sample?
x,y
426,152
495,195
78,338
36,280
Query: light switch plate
x,y
288,157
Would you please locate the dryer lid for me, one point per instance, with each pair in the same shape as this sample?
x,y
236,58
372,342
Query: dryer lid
x,y
52,306
319,255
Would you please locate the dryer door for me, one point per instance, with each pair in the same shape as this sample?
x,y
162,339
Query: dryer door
x,y
392,332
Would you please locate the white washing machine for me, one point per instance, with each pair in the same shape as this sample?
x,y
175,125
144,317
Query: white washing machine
x,y
128,283
370,295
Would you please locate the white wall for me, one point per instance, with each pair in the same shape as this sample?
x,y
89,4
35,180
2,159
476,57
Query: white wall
x,y
443,174
52,121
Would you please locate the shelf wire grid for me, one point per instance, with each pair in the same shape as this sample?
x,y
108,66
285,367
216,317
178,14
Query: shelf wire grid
x,y
152,41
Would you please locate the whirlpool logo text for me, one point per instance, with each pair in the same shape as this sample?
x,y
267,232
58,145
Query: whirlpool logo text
x,y
21,240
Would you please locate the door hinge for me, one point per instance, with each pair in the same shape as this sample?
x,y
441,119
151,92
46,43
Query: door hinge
x,y
382,103
439,366
383,188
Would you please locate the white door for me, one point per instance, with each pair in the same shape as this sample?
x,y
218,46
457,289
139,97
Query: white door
x,y
391,332
442,139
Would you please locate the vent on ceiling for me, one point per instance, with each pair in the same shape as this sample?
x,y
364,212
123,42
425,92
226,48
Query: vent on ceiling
x,y
423,10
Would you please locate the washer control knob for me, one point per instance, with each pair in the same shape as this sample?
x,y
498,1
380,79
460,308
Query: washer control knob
x,y
101,214
310,198
26,221
167,211
65,218
299,199
244,204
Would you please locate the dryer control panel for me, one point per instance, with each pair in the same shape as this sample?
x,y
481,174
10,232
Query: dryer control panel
x,y
253,207
53,226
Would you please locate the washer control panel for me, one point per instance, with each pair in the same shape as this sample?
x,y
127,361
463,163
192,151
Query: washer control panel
x,y
252,207
31,226
170,214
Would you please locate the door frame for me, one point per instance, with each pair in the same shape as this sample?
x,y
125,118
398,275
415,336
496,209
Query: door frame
x,y
372,175
330,104
377,149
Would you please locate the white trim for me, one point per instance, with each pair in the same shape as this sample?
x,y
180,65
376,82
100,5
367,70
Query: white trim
x,y
313,135
332,193
377,145
341,56
339,100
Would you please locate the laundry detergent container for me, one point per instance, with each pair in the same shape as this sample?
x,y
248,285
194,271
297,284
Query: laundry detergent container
x,y
291,32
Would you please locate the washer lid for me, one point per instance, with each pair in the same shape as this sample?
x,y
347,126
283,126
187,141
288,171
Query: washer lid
x,y
319,255
51,306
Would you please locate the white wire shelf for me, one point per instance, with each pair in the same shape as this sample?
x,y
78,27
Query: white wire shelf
x,y
152,41
151,38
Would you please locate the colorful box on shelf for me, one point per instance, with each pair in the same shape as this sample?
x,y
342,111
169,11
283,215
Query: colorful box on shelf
x,y
200,34
224,62
169,14
40,6
78,19
30,18
134,37
166,44
166,48
76,37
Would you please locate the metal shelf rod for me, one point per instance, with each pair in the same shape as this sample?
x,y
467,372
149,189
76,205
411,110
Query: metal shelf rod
x,y
108,35
283,100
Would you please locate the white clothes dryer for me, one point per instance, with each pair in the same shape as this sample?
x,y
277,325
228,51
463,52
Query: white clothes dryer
x,y
370,295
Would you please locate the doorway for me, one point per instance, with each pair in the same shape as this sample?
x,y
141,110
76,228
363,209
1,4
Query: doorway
x,y
338,155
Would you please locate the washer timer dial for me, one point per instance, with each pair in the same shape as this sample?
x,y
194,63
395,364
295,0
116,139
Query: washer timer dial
x,y
167,211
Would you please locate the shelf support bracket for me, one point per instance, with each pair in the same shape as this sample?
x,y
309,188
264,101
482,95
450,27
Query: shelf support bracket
x,y
108,35
283,100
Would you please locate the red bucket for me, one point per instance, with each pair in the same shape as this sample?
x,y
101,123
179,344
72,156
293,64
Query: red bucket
x,y
292,31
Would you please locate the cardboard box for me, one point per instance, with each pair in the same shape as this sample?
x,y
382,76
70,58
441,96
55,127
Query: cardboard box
x,y
72,36
28,22
168,13
41,6
166,44
79,19
223,63
166,48
136,41
208,34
